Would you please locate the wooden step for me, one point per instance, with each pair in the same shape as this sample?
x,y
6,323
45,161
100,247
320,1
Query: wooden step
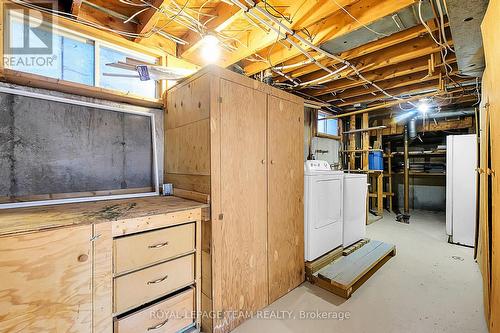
x,y
348,273
314,266
348,250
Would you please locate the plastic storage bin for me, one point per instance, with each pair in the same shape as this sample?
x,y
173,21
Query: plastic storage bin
x,y
376,160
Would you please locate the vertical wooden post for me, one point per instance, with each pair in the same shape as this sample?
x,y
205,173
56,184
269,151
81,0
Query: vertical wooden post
x,y
352,144
380,193
373,199
389,176
162,85
340,125
365,142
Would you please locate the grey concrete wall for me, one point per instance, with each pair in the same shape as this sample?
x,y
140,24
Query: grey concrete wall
x,y
53,147
426,193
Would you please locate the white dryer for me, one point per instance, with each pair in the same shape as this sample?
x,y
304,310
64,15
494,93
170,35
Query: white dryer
x,y
355,193
322,208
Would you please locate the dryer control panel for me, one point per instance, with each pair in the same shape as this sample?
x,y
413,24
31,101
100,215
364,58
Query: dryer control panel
x,y
316,165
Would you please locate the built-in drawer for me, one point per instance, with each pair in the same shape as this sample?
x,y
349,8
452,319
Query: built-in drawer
x,y
133,252
146,285
170,315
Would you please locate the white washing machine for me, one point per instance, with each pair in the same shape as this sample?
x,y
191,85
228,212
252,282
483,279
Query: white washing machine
x,y
322,208
355,192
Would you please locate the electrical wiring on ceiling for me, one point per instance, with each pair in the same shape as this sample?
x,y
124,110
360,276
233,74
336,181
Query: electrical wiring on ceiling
x,y
279,14
443,42
359,22
290,33
177,14
329,76
75,18
130,3
270,20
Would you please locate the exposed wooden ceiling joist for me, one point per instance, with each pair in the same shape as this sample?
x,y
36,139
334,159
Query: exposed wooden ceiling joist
x,y
411,88
378,45
403,62
259,38
415,48
148,18
89,13
381,74
337,24
224,13
413,78
75,7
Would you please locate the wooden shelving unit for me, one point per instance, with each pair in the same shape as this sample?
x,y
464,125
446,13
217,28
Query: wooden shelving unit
x,y
423,174
375,177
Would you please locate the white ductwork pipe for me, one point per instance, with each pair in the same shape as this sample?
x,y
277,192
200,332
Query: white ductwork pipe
x,y
449,114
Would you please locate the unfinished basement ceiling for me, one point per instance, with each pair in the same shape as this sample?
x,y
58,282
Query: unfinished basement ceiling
x,y
385,27
344,53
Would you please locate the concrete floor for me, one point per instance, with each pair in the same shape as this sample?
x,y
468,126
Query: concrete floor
x,y
429,286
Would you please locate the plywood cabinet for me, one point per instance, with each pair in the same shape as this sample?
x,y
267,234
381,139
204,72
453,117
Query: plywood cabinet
x,y
285,196
489,212
240,246
46,281
100,267
240,142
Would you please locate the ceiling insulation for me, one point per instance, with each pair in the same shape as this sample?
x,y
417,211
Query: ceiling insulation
x,y
386,26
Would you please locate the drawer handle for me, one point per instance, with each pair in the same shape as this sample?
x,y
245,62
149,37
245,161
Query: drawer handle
x,y
159,280
157,246
158,326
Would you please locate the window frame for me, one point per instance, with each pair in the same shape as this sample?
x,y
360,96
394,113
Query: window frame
x,y
321,134
98,42
97,64
156,184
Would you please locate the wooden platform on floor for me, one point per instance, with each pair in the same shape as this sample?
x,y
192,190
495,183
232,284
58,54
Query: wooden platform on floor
x,y
346,274
314,266
348,250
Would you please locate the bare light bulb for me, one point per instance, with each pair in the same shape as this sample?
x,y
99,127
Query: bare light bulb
x,y
210,49
423,106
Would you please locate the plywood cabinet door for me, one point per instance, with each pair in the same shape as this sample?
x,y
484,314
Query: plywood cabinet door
x,y
285,196
45,281
239,226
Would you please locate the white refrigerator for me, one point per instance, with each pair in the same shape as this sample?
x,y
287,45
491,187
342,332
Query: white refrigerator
x,y
461,188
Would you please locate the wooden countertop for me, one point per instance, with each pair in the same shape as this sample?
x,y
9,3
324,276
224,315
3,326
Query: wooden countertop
x,y
22,220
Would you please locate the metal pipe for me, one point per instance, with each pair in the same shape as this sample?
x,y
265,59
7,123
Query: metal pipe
x,y
412,129
382,106
449,114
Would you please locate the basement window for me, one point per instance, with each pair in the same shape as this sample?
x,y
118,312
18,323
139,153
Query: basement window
x,y
328,126
52,51
68,58
114,77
